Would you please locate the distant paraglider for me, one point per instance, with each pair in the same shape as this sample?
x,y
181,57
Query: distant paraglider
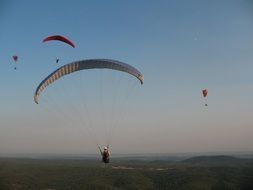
x,y
59,38
15,58
205,93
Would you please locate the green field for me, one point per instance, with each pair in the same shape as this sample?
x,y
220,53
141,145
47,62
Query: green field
x,y
213,172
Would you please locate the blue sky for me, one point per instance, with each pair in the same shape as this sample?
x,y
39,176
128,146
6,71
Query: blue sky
x,y
181,47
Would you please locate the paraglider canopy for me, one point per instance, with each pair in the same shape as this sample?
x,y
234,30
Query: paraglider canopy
x,y
84,65
205,92
59,38
15,58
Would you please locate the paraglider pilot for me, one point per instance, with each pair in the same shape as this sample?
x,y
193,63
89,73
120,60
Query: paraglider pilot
x,y
105,154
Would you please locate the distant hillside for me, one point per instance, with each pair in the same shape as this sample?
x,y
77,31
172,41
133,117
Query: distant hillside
x,y
196,173
219,161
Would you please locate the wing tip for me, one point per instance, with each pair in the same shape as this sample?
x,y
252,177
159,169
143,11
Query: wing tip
x,y
36,99
141,78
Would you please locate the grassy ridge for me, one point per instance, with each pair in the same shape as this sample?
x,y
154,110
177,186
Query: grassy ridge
x,y
193,173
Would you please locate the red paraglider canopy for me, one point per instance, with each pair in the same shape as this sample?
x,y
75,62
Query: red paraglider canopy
x,y
15,58
59,38
205,92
